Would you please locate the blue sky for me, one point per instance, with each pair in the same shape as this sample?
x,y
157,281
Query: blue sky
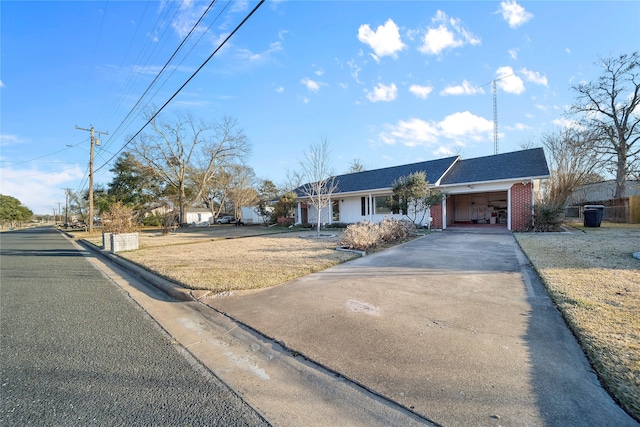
x,y
386,82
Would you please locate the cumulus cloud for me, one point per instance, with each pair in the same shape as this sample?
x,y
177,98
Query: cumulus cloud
x,y
454,130
466,125
508,81
446,33
513,13
383,93
535,77
412,133
385,41
465,88
311,85
421,91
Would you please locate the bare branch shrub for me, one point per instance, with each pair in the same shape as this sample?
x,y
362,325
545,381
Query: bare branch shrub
x,y
367,235
119,219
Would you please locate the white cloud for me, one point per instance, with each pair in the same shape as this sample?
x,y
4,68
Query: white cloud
x,y
513,13
467,126
39,191
311,85
535,77
413,132
280,89
458,128
383,93
508,81
1,84
465,88
447,34
567,123
385,41
6,140
513,53
421,91
247,55
319,72
519,126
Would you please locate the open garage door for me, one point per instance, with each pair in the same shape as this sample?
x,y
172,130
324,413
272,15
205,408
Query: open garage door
x,y
478,208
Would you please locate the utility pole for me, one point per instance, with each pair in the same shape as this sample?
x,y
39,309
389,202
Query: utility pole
x,y
93,143
66,207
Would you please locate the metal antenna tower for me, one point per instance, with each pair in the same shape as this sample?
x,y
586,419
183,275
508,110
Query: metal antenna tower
x,y
495,110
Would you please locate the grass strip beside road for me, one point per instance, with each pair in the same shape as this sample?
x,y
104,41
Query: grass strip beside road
x,y
242,264
594,281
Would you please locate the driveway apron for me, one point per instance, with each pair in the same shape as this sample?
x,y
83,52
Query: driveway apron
x,y
453,325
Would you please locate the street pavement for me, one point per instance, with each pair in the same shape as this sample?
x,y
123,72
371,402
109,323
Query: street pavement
x,y
76,350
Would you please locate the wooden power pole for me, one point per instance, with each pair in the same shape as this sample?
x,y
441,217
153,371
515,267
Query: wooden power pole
x,y
94,142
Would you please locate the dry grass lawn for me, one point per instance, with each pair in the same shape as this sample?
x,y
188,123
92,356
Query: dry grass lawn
x,y
595,282
243,263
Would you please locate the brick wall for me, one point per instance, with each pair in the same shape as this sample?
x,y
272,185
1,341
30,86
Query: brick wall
x,y
521,217
436,215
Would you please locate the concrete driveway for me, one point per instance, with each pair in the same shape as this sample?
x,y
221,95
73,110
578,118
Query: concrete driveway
x,y
453,326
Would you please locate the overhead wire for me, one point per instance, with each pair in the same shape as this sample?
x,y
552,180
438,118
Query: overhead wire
x,y
186,82
116,133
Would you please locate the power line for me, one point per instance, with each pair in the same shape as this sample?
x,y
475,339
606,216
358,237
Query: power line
x,y
186,82
164,67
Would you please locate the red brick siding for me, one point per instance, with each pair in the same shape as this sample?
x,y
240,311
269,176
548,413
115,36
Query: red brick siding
x,y
436,215
521,216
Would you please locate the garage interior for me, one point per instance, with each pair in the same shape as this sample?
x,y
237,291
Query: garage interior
x,y
477,208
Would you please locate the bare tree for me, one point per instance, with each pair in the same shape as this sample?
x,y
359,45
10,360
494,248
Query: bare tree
x,y
241,191
573,160
356,166
608,107
189,149
321,184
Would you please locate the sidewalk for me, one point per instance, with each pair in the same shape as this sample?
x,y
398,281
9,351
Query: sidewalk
x,y
453,326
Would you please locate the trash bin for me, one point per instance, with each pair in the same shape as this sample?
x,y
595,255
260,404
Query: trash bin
x,y
599,209
591,218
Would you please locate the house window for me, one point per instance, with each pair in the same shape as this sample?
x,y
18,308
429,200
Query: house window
x,y
364,206
383,205
335,211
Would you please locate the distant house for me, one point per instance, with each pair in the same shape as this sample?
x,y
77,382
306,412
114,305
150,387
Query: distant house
x,y
198,216
496,189
251,215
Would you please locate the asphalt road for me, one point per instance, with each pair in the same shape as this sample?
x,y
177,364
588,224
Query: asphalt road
x,y
76,350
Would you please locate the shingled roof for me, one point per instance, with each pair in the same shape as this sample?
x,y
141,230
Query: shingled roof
x,y
383,178
515,165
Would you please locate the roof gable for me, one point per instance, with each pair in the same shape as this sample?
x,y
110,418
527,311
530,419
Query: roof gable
x,y
515,165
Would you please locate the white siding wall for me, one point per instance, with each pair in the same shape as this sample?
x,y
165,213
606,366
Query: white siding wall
x,y
351,212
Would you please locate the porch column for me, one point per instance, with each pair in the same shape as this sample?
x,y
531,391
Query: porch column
x,y
444,212
509,208
299,213
370,207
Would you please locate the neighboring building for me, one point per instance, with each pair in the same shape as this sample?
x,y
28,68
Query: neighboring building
x,y
250,215
496,189
198,216
601,192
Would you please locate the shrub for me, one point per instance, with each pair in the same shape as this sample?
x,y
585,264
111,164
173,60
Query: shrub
x,y
153,220
367,235
547,216
119,219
